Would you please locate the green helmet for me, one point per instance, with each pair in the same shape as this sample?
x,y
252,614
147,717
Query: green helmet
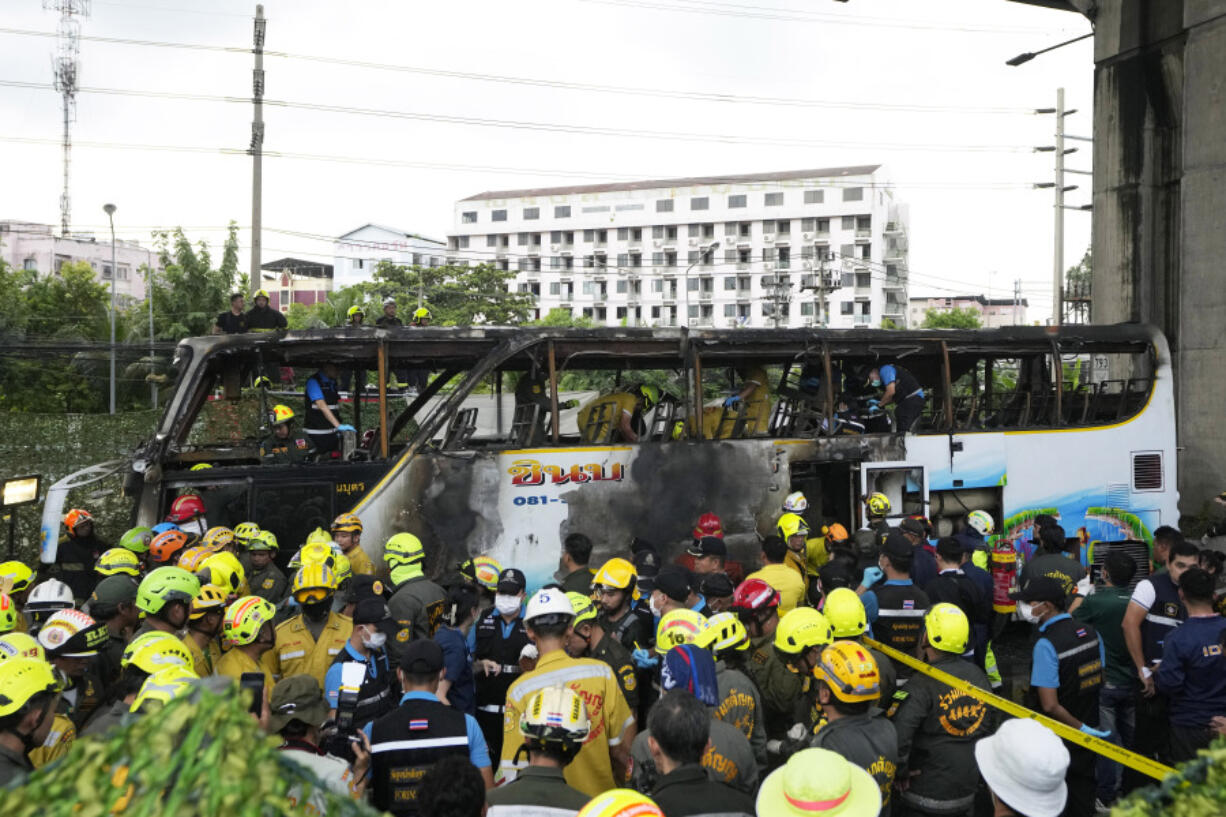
x,y
264,540
137,539
165,585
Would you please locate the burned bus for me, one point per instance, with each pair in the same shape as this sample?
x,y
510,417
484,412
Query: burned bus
x,y
1076,422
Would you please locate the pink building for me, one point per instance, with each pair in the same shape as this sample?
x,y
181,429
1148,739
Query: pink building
x,y
993,312
36,248
295,281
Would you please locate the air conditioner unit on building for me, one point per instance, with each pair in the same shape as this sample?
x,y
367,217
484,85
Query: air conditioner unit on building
x,y
555,247
693,242
730,241
768,266
659,242
768,237
807,264
808,236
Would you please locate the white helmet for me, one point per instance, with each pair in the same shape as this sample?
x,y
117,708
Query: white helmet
x,y
549,601
795,503
981,521
389,301
49,596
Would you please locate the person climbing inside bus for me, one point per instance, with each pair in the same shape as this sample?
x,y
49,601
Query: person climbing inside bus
x,y
532,389
283,446
323,404
900,389
618,416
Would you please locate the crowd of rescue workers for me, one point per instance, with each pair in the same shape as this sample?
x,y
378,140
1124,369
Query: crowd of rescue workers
x,y
638,686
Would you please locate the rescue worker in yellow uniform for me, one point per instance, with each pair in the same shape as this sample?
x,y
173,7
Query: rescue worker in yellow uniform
x,y
309,642
247,631
719,422
617,417
347,532
204,628
283,446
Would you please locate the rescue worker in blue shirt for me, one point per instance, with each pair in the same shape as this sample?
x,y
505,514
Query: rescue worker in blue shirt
x,y
460,613
406,742
377,695
900,389
1193,669
1066,678
895,608
323,404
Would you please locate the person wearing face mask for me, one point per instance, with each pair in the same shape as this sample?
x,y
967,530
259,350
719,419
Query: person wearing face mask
x,y
187,514
1066,678
27,711
308,642
367,645
900,389
457,688
501,639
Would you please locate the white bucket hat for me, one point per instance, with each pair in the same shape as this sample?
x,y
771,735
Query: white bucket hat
x,y
1024,763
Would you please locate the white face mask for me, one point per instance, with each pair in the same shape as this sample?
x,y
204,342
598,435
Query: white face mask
x,y
1026,611
655,610
374,641
196,526
506,605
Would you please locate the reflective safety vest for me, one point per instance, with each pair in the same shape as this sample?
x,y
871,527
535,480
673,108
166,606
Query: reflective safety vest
x,y
900,618
315,422
1081,668
405,744
1165,614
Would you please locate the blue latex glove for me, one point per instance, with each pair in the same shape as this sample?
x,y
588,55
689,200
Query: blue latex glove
x,y
345,427
643,659
873,403
732,401
1098,733
811,383
872,575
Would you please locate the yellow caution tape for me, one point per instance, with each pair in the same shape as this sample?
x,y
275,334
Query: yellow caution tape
x,y
1106,748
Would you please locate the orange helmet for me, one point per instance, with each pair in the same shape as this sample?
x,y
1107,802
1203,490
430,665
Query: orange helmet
x,y
186,507
76,516
709,525
836,533
165,547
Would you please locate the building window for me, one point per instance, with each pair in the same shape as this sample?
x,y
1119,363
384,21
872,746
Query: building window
x,y
657,259
738,201
729,310
555,288
106,272
532,213
462,242
657,231
814,197
498,215
846,307
469,217
849,222
623,260
561,211
521,239
664,205
30,265
621,287
623,233
769,254
491,241
729,282
555,262
847,250
774,199
823,226
568,262
806,308
700,203
657,285
853,194
783,227
864,222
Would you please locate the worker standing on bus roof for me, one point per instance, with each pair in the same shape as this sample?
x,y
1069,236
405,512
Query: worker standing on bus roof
x,y
282,446
323,405
902,390
618,416
233,322
262,317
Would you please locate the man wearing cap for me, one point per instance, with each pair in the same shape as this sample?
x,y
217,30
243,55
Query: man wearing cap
x,y
717,589
572,566
923,565
779,575
366,646
1066,677
689,672
954,586
895,608
406,742
674,590
297,709
501,639
601,761
1024,765
113,602
233,322
709,554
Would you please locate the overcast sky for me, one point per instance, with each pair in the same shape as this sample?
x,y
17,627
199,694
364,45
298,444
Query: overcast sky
x,y
976,225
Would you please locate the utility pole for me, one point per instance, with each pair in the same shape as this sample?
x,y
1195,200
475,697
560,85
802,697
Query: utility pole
x,y
109,209
1060,188
67,76
257,145
1017,299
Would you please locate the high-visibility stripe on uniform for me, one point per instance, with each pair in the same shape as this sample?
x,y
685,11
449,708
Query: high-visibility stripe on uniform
x,y
1165,621
424,743
1089,645
901,613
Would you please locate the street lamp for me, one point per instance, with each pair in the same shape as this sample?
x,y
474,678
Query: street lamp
x,y
109,209
685,279
1027,56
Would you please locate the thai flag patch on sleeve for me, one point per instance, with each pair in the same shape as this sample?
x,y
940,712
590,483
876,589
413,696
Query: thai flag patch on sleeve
x,y
1081,632
418,723
908,605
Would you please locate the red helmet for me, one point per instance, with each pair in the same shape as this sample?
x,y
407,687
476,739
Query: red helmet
x,y
186,507
709,525
753,595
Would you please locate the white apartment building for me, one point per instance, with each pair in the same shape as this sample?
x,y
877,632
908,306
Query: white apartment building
x,y
746,250
358,252
36,248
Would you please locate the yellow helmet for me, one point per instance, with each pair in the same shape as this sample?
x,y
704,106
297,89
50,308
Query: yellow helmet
x,y
264,540
347,522
878,504
23,679
317,553
200,466
355,310
211,598
260,293
791,524
343,570
319,536
155,650
8,613
616,574
421,312
801,629
621,803
845,612
724,632
116,561
20,645
679,627
312,583
585,611
850,671
164,686
281,413
244,532
192,559
225,571
403,549
947,628
15,576
486,570
244,620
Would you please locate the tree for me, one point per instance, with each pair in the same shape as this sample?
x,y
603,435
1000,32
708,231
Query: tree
x,y
189,293
956,318
1080,274
455,295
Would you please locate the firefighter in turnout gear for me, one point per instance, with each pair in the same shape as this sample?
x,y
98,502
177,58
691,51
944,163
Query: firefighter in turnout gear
x,y
309,642
740,702
799,640
587,639
283,446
